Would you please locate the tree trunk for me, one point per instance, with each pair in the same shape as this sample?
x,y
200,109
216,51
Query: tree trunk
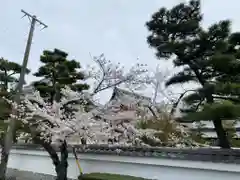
x,y
4,161
220,131
61,165
51,151
6,144
4,156
221,134
61,169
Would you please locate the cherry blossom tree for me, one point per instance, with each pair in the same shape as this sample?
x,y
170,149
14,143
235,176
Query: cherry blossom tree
x,y
107,75
56,125
59,123
157,80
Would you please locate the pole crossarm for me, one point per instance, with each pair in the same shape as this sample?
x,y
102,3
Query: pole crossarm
x,y
31,17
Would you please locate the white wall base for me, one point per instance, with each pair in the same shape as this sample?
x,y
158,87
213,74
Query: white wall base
x,y
147,167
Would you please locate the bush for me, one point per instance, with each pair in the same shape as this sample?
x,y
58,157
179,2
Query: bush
x,y
171,133
105,176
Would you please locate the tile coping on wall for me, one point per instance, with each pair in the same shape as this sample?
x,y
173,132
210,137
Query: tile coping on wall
x,y
194,154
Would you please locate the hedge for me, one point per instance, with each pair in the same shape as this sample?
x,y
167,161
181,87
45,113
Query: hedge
x,y
105,176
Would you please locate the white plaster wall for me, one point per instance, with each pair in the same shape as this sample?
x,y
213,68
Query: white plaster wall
x,y
153,168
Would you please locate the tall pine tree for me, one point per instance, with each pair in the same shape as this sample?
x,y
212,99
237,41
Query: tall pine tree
x,y
57,71
177,34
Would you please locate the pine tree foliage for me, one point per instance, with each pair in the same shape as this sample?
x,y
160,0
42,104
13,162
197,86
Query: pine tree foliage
x,y
208,57
8,80
58,72
9,72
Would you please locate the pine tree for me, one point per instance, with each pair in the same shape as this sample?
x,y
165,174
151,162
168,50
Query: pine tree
x,y
8,70
226,88
205,56
58,72
8,80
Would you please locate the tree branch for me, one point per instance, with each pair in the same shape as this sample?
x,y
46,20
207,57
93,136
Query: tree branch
x,y
12,74
152,111
178,101
236,100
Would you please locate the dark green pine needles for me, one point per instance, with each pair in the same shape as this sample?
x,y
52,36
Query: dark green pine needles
x,y
57,71
208,57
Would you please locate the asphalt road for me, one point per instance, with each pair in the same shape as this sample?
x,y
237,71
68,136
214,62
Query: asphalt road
x,y
13,174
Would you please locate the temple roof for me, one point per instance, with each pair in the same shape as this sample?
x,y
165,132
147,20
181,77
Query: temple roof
x,y
128,97
120,92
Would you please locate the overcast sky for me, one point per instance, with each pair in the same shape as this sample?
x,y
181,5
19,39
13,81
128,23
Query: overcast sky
x,y
79,27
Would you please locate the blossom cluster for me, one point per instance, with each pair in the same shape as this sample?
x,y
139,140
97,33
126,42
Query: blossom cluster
x,y
56,123
107,74
68,120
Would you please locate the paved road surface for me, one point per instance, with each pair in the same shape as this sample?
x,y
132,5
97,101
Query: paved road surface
x,y
13,174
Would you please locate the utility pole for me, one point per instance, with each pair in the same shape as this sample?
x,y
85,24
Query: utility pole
x,y
18,91
33,20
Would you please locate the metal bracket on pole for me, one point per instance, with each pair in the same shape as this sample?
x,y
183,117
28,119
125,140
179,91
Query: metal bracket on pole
x,y
34,17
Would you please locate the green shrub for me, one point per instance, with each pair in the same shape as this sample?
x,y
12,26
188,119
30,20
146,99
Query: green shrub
x,y
105,176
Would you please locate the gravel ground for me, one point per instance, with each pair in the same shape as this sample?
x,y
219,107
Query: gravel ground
x,y
14,174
